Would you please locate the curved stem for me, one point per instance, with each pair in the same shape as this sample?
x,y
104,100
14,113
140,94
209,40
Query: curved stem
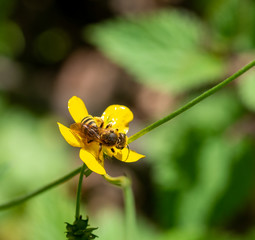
x,y
78,197
26,197
192,102
130,215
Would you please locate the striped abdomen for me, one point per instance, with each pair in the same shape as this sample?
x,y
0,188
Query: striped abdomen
x,y
90,128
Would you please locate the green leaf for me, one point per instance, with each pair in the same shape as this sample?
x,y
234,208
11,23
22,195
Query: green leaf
x,y
213,110
174,139
213,169
233,22
164,49
191,159
240,185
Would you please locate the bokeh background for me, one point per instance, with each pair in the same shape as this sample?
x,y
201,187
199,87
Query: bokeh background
x,y
197,180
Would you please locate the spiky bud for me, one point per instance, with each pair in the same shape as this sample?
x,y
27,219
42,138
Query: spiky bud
x,y
79,230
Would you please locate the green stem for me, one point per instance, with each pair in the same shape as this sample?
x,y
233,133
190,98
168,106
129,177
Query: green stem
x,y
78,196
26,197
135,136
192,102
130,216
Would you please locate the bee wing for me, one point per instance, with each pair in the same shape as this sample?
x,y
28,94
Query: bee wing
x,y
92,132
75,126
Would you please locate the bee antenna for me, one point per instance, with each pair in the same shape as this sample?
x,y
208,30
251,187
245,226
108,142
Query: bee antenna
x,y
128,152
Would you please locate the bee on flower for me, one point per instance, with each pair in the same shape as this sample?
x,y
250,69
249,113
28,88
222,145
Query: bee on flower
x,y
97,136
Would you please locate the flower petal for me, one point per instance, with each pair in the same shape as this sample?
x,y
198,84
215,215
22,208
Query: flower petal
x,y
69,136
77,109
92,163
127,155
119,116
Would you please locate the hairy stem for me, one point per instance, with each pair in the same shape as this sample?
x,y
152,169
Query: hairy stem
x,y
192,102
26,197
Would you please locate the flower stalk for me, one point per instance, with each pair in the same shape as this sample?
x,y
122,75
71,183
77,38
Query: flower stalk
x,y
78,196
28,196
193,102
147,129
130,214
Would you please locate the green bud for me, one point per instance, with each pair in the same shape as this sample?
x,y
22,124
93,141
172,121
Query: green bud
x,y
79,230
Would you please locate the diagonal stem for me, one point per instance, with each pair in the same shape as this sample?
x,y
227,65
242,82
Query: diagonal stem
x,y
26,197
192,102
135,136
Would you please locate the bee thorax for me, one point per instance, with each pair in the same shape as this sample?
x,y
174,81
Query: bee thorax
x,y
109,138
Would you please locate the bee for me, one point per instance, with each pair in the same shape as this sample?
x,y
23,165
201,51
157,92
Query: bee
x,y
87,129
112,138
91,129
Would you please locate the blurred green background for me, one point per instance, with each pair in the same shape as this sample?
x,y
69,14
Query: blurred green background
x,y
197,180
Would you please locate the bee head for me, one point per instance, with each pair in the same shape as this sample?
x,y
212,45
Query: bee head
x,y
121,141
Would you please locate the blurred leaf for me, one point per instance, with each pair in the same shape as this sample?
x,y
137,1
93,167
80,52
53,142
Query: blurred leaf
x,y
2,103
111,226
240,185
47,214
12,41
52,45
163,49
225,235
192,162
174,138
210,116
32,154
213,174
181,234
246,87
32,151
6,7
233,22
40,218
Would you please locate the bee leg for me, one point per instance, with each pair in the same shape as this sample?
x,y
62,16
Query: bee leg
x,y
99,151
99,121
128,153
108,125
89,141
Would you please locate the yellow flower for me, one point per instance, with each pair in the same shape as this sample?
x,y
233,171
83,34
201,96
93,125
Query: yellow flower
x,y
92,152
